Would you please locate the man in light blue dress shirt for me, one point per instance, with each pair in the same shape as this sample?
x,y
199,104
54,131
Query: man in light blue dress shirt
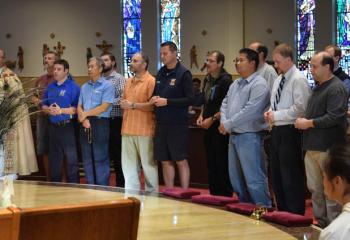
x,y
94,108
242,117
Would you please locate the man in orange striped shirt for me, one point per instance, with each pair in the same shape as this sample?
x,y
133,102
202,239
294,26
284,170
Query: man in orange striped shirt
x,y
138,126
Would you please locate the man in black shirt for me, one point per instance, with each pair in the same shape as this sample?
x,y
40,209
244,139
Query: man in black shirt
x,y
216,85
172,96
324,125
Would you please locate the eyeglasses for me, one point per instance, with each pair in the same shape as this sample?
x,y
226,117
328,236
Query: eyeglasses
x,y
239,60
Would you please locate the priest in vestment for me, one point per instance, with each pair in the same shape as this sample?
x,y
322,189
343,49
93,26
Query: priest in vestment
x,y
20,157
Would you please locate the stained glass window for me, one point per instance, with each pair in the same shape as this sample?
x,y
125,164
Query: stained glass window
x,y
170,22
305,36
131,32
343,33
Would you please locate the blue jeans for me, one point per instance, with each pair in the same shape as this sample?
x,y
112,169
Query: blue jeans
x,y
247,169
63,143
99,147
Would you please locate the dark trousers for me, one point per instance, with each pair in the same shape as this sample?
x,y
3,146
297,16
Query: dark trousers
x,y
216,146
115,149
287,169
63,143
94,149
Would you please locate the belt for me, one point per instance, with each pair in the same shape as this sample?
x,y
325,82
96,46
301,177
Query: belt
x,y
96,117
62,123
260,132
285,126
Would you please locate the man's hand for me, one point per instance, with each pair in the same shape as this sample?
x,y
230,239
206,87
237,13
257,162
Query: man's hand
x,y
86,123
206,123
222,129
269,117
35,100
303,123
199,120
81,116
160,102
55,109
125,104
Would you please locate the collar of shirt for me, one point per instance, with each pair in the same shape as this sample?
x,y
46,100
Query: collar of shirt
x,y
289,73
2,69
99,81
346,207
248,79
64,83
141,79
112,75
262,68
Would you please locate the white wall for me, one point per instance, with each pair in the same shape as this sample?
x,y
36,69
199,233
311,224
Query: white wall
x,y
75,22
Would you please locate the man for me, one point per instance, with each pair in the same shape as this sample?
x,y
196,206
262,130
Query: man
x,y
216,85
42,120
19,149
138,126
60,102
324,125
289,98
241,116
94,108
173,94
336,54
198,99
115,140
265,70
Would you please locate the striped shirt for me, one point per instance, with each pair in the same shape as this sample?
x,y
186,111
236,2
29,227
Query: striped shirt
x,y
138,122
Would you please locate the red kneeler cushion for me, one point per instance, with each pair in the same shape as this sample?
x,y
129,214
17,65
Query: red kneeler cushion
x,y
180,193
213,200
287,219
242,208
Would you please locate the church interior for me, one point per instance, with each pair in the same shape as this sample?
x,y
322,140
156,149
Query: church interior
x,y
32,207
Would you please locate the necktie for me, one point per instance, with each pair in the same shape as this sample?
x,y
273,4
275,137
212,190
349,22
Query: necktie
x,y
279,92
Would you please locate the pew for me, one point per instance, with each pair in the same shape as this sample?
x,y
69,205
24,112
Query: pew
x,y
107,220
9,224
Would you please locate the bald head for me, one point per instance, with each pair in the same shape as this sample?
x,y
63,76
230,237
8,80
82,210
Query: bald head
x,y
322,65
261,49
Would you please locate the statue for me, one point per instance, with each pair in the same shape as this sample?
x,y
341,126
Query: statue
x,y
193,56
59,49
104,47
88,54
46,49
205,63
20,60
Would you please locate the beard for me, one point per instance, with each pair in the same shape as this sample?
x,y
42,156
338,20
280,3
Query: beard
x,y
106,69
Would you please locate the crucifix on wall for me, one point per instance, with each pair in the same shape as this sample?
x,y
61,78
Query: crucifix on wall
x,y
104,47
59,49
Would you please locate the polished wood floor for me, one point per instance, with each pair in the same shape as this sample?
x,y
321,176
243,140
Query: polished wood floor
x,y
160,218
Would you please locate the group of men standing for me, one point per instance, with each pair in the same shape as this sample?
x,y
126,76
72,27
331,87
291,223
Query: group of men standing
x,y
239,115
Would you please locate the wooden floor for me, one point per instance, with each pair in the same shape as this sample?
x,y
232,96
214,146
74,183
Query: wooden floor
x,y
160,218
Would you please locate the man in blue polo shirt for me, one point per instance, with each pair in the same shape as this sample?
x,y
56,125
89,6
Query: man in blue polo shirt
x,y
173,94
60,102
94,108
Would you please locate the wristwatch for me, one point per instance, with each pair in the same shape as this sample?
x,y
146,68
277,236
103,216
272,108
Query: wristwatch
x,y
214,118
132,105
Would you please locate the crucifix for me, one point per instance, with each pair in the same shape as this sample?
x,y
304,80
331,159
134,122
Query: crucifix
x,y
104,47
59,49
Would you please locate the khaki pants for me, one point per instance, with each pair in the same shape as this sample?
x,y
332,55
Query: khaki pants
x,y
325,211
137,151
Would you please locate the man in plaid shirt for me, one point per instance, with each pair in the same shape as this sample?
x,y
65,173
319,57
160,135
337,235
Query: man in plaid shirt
x,y
110,74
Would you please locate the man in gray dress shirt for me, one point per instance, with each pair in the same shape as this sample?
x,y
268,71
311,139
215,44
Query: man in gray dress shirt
x,y
242,117
265,70
289,97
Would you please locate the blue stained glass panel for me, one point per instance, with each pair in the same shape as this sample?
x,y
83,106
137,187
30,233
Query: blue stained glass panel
x,y
170,22
131,32
343,33
305,36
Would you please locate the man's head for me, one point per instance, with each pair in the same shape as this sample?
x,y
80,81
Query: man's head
x,y
49,60
95,68
168,53
261,49
60,70
335,52
322,65
283,57
139,63
109,62
196,84
215,62
2,58
247,62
